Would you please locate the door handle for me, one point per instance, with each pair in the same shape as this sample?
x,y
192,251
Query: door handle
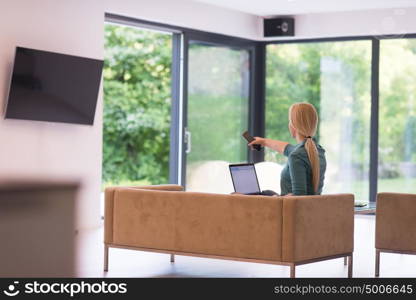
x,y
188,141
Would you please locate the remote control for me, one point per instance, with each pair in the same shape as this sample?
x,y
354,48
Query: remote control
x,y
249,139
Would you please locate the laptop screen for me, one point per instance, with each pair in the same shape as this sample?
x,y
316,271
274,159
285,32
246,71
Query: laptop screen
x,y
244,178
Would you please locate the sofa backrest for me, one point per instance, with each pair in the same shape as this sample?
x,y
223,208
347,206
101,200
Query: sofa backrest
x,y
396,221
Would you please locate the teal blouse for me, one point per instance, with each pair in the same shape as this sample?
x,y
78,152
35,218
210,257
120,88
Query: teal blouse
x,y
296,176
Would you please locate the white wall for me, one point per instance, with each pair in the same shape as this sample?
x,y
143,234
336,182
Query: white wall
x,y
30,149
190,14
356,23
45,150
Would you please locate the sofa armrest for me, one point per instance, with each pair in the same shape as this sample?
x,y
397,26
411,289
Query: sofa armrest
x,y
109,204
317,226
396,221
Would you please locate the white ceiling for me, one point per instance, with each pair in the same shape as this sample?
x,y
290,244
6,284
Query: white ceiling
x,y
295,7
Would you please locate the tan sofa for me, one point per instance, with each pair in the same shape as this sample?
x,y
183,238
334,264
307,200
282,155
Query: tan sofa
x,y
395,225
275,230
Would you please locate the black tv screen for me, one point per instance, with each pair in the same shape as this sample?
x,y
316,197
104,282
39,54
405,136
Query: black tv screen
x,y
53,87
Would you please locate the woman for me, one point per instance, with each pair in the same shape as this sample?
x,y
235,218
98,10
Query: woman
x,y
306,164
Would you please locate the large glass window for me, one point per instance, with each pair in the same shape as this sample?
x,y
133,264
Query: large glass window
x,y
218,98
137,104
336,78
397,116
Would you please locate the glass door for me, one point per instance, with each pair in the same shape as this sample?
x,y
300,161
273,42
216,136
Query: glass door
x,y
217,112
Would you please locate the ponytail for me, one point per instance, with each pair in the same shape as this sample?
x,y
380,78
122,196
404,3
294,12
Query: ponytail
x,y
313,156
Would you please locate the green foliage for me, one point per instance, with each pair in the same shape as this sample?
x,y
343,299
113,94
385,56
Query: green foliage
x,y
137,80
410,139
216,127
218,103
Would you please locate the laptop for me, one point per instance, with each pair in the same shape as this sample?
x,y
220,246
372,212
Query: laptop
x,y
244,178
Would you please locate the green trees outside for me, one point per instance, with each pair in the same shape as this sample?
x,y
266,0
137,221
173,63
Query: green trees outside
x,y
397,141
137,91
397,104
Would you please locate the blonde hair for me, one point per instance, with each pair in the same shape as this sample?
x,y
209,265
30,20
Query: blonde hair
x,y
304,118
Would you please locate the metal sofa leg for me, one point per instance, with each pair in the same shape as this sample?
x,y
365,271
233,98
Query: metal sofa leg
x,y
105,258
377,272
292,270
172,258
350,262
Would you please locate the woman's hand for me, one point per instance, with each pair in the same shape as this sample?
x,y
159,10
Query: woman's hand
x,y
276,145
257,141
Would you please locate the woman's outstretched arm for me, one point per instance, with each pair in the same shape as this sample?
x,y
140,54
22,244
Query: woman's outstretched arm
x,y
276,145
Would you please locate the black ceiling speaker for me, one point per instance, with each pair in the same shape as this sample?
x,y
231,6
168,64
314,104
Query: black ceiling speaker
x,y
279,27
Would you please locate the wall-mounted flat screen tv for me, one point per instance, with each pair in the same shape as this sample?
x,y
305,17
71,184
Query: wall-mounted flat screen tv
x,y
53,87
